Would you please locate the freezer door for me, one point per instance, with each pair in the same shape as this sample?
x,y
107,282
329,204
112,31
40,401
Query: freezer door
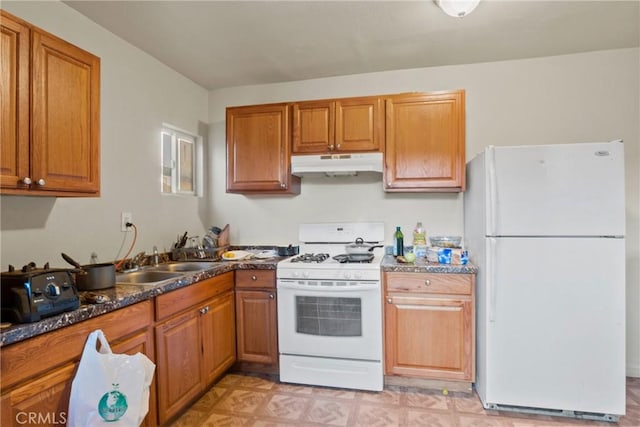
x,y
555,190
556,323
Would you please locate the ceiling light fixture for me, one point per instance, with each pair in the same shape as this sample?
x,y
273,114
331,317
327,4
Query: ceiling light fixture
x,y
457,8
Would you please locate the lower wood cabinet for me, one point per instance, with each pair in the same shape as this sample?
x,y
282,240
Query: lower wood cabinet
x,y
219,344
179,371
142,342
429,325
37,373
195,341
43,401
257,320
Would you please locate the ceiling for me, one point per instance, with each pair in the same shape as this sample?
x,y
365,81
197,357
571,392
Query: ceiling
x,y
221,44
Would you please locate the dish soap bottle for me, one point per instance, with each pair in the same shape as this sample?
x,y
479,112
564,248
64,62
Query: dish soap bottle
x,y
419,241
398,242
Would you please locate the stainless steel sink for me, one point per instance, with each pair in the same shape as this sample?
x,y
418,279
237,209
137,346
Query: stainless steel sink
x,y
185,266
146,277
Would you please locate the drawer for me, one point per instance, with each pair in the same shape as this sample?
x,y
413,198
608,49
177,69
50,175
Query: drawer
x,y
43,353
431,283
256,279
190,296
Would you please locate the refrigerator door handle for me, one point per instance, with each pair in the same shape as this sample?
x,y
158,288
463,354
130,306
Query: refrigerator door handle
x,y
492,283
491,191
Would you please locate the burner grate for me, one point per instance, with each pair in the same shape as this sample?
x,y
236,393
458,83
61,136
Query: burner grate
x,y
311,258
354,258
27,268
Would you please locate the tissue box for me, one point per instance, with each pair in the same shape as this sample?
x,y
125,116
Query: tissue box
x,y
447,255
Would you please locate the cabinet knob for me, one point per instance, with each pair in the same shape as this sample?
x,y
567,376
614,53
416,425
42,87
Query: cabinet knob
x,y
338,146
41,182
26,180
271,296
331,147
254,277
283,185
389,300
427,282
204,310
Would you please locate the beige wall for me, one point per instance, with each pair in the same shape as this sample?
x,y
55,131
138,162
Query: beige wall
x,y
138,94
574,98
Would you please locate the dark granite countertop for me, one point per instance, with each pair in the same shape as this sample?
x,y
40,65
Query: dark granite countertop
x,y
124,295
420,265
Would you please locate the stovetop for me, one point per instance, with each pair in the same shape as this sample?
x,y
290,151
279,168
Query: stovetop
x,y
32,293
30,269
329,269
323,248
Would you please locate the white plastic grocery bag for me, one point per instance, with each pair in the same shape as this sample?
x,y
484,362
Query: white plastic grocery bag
x,y
109,389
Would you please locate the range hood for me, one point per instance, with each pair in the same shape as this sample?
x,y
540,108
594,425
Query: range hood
x,y
336,164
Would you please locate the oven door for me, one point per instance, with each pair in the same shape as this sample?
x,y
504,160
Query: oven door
x,y
330,319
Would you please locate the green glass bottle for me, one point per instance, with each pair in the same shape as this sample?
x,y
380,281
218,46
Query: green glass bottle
x,y
398,242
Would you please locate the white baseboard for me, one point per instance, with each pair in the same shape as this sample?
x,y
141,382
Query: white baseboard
x,y
633,371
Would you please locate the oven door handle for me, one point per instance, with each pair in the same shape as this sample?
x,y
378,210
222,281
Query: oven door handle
x,y
322,288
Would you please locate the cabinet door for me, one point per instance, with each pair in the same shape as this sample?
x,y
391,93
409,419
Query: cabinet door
x,y
218,336
179,372
142,342
257,330
429,337
42,402
14,102
313,127
258,150
358,124
339,125
65,114
425,142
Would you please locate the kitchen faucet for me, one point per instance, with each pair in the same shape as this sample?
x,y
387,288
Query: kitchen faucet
x,y
156,257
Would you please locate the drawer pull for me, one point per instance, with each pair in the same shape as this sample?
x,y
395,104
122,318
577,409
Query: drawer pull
x,y
389,301
271,296
427,282
254,277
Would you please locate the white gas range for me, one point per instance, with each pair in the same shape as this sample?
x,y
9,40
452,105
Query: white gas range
x,y
330,309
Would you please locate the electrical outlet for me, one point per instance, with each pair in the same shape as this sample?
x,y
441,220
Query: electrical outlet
x,y
125,217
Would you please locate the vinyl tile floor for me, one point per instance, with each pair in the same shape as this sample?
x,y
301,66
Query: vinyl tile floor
x,y
241,400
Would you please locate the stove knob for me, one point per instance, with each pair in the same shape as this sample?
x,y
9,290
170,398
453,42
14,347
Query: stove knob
x,y
347,275
52,290
305,274
295,274
357,275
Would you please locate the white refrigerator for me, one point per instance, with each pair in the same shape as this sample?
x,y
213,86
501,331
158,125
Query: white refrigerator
x,y
545,224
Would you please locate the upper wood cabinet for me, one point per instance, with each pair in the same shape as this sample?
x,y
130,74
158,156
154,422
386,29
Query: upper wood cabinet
x,y
337,125
425,142
14,101
258,150
50,117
